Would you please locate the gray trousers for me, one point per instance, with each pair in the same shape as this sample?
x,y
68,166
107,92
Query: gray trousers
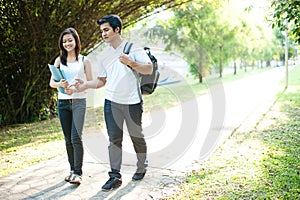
x,y
115,116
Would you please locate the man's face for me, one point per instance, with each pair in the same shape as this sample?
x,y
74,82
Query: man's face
x,y
107,32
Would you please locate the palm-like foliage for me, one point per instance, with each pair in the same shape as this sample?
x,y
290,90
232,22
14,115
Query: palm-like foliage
x,y
29,34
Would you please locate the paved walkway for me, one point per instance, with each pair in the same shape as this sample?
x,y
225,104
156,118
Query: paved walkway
x,y
45,181
175,137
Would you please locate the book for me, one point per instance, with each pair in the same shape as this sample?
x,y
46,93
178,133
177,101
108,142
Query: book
x,y
57,74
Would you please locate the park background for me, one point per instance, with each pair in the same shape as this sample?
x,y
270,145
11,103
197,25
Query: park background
x,y
211,38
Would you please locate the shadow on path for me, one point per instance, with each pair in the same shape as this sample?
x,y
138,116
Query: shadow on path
x,y
48,192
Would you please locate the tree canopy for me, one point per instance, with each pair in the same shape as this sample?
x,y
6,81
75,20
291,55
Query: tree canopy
x,y
286,15
29,41
211,34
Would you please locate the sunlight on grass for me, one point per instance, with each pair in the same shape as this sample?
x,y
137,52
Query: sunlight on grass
x,y
255,165
226,172
260,164
17,158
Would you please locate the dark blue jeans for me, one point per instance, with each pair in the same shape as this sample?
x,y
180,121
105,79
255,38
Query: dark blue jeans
x,y
115,115
71,114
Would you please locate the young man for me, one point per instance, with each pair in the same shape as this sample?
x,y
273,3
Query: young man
x,y
122,100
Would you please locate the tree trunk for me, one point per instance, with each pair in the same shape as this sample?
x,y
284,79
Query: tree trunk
x,y
234,67
220,62
200,66
200,78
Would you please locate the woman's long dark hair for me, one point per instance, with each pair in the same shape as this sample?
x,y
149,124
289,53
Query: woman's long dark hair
x,y
63,52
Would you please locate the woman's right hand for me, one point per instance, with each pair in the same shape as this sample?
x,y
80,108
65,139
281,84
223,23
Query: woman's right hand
x,y
80,85
63,83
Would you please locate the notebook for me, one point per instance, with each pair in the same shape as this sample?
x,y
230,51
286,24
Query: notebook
x,y
58,74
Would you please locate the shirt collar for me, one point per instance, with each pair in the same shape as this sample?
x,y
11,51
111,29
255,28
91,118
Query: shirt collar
x,y
120,47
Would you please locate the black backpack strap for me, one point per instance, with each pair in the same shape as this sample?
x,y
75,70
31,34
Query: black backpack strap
x,y
126,50
127,47
152,58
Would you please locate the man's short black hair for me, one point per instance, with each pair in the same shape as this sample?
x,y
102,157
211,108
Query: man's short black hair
x,y
113,20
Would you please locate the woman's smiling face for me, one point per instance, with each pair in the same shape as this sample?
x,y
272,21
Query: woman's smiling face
x,y
69,42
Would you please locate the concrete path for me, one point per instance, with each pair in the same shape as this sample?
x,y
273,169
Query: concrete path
x,y
176,138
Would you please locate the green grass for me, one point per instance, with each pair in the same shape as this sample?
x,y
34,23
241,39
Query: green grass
x,y
16,136
23,145
261,164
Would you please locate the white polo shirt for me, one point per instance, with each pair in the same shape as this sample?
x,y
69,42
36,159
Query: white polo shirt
x,y
121,83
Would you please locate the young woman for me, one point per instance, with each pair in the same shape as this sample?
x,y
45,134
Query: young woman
x,y
72,103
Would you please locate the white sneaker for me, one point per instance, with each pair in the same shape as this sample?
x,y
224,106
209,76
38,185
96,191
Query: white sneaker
x,y
68,178
75,179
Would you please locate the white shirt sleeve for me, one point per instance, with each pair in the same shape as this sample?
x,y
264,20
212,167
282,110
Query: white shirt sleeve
x,y
140,56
